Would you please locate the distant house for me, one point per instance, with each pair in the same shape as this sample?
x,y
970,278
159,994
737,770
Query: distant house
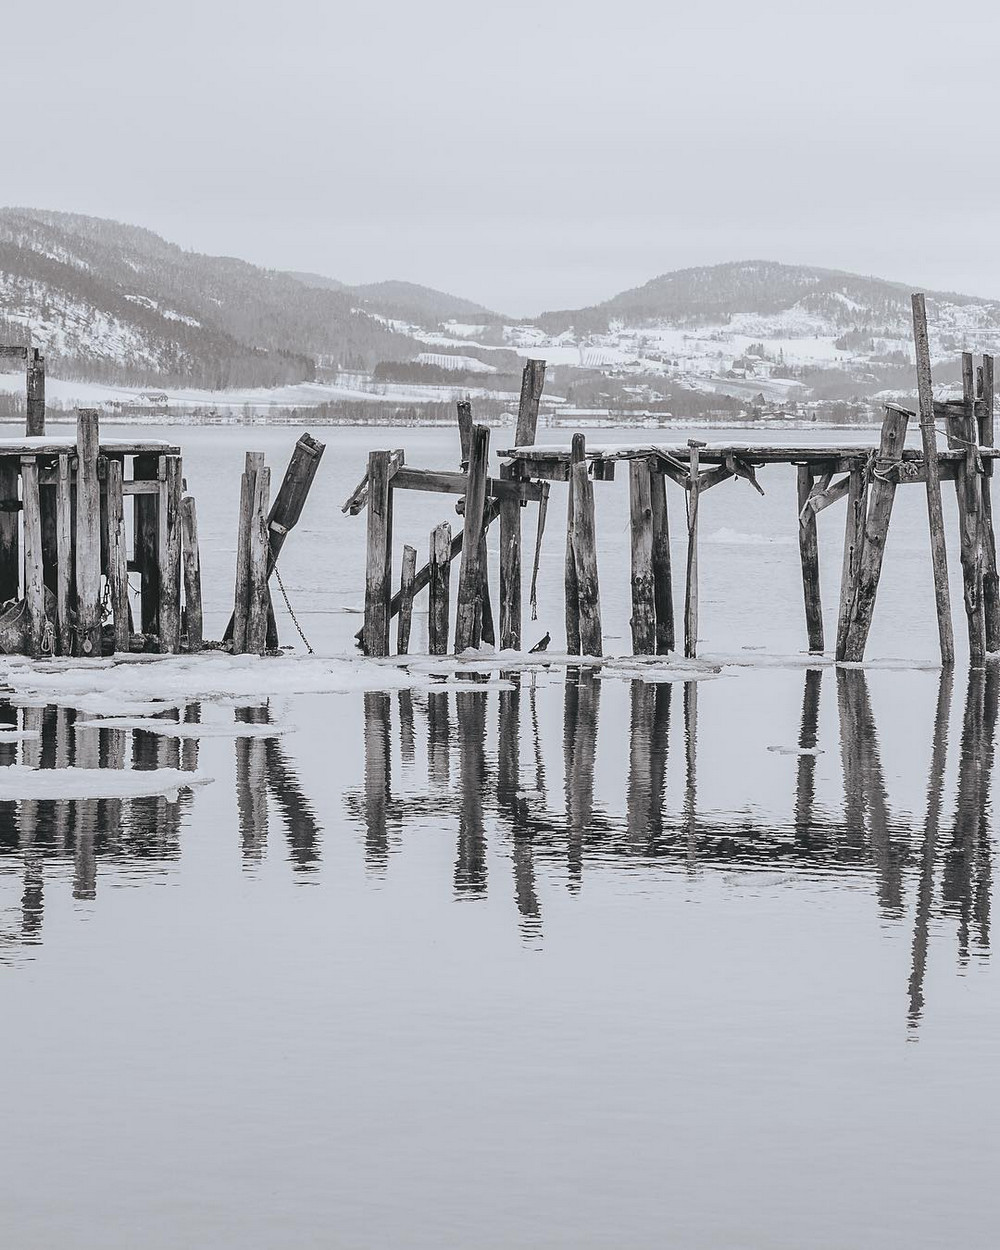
x,y
154,399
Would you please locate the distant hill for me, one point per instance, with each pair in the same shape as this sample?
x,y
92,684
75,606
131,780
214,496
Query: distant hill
x,y
407,301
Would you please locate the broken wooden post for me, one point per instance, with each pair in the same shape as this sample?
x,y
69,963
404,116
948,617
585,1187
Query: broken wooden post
x,y
439,589
405,618
193,615
378,567
532,382
170,553
259,600
117,556
935,516
854,533
881,495
663,593
253,463
991,579
88,534
643,620
10,571
487,630
34,585
64,557
464,430
691,584
585,553
571,587
292,494
35,423
809,558
969,499
468,621
145,510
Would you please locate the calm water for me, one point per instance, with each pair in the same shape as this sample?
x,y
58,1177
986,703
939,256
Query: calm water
x,y
579,962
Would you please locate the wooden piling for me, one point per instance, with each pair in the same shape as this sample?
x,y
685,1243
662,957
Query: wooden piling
x,y
643,620
809,559
257,582
170,553
468,621
464,430
991,579
487,628
10,572
35,423
34,585
881,495
969,498
378,568
405,618
193,614
571,587
253,463
64,557
439,589
532,384
88,534
585,554
854,532
510,567
663,594
145,514
117,556
935,516
691,583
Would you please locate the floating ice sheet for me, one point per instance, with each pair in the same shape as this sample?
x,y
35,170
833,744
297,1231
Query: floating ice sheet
x,y
19,782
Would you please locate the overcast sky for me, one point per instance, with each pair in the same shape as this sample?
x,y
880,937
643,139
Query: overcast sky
x,y
527,156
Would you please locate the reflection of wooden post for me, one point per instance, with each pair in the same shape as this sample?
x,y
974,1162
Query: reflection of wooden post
x,y
378,756
882,493
439,589
117,555
88,535
663,592
470,863
468,621
641,517
935,517
34,586
991,579
809,558
805,785
854,532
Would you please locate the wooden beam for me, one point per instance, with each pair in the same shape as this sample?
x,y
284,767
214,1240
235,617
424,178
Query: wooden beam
x,y
991,579
532,384
259,555
10,571
455,484
252,464
585,559
663,595
854,533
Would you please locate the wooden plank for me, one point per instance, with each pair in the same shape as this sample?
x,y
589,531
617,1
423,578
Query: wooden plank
x,y
554,459
510,569
643,622
259,601
585,559
881,494
405,617
171,487
193,614
145,514
440,589
286,510
935,516
468,621
34,584
253,463
691,582
854,532
64,558
809,559
117,557
140,488
991,579
444,483
532,384
820,498
10,571
663,592
88,535
378,565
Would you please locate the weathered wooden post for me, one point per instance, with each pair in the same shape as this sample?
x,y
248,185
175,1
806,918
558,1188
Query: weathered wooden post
x,y
468,621
854,533
809,558
259,601
35,423
532,382
169,549
691,585
991,579
253,463
571,587
585,553
643,620
378,568
88,534
34,585
193,614
117,555
439,589
405,618
145,512
935,516
64,557
970,519
663,593
10,572
881,495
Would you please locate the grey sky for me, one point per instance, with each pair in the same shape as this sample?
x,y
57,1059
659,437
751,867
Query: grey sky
x,y
527,156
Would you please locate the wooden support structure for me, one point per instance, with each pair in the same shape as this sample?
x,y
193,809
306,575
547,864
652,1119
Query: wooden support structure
x,y
35,388
691,581
193,614
854,533
469,612
259,604
117,564
378,570
991,579
10,572
405,617
439,589
970,515
253,463
64,558
663,594
169,547
34,584
935,516
572,590
88,535
585,556
809,558
643,620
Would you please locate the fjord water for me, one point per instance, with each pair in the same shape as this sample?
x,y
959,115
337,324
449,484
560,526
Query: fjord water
x,y
579,961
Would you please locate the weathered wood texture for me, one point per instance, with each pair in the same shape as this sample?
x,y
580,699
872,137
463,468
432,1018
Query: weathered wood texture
x,y
117,556
169,548
585,557
35,381
10,571
34,585
571,587
253,463
259,555
193,613
510,569
663,593
991,579
809,559
691,582
643,622
64,558
881,495
970,516
88,535
405,618
854,533
935,516
145,513
469,612
439,592
378,567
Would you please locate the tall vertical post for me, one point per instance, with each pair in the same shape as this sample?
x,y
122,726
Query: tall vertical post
x,y
468,621
935,516
88,534
10,571
35,424
585,553
170,553
252,464
259,600
991,580
854,532
34,586
192,574
145,513
970,519
405,617
532,381
64,557
691,585
809,558
643,620
571,588
663,591
439,589
378,566
117,555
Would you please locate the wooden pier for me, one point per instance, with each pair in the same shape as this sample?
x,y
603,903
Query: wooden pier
x,y
863,479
